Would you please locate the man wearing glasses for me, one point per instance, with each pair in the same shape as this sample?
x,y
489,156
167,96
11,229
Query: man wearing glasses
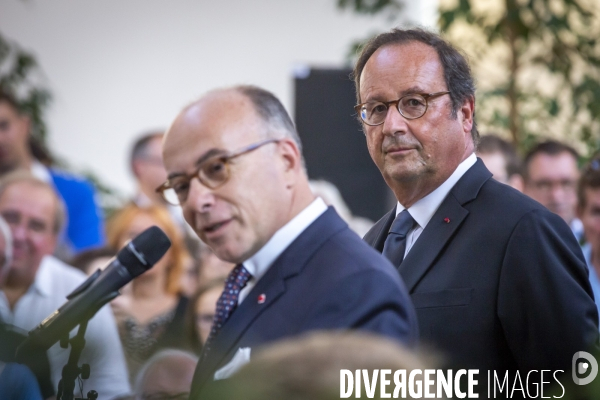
x,y
234,164
498,282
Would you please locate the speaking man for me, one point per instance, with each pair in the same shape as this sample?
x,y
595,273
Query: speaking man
x,y
234,163
498,281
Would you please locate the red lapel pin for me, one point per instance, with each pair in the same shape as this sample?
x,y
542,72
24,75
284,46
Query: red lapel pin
x,y
447,220
262,298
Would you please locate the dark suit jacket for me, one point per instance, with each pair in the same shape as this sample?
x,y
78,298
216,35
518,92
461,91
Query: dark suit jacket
x,y
328,278
503,285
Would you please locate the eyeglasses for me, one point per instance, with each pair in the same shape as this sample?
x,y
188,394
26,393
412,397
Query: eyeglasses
x,y
546,186
411,106
212,173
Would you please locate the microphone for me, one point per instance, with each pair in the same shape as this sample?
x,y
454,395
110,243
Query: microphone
x,y
138,256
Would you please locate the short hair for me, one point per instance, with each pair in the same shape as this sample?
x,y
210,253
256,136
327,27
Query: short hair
x,y
548,147
491,144
590,179
308,366
119,223
8,246
139,150
271,111
155,359
457,73
23,176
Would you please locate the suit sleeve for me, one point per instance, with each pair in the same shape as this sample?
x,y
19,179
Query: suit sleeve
x,y
545,302
371,301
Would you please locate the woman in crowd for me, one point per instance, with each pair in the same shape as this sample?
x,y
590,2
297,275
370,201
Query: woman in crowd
x,y
151,313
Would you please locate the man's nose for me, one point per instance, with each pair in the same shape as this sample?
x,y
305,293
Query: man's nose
x,y
200,197
394,122
19,231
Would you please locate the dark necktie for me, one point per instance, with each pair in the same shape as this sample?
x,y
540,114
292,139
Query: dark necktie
x,y
227,303
395,243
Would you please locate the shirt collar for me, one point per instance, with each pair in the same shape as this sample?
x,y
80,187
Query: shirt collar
x,y
42,284
422,211
260,262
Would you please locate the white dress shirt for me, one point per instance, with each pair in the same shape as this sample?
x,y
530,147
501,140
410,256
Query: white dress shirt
x,y
422,211
53,282
260,262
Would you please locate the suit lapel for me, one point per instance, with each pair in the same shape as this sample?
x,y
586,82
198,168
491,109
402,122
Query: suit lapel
x,y
272,285
443,225
432,241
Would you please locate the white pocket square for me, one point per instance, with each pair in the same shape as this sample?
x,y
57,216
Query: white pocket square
x,y
241,358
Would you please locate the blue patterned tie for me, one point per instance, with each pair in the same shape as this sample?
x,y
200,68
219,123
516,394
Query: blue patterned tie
x,y
227,303
395,244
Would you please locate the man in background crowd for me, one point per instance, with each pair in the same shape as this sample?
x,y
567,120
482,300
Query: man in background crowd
x,y
147,167
17,381
498,282
235,164
550,173
37,283
588,211
84,221
501,159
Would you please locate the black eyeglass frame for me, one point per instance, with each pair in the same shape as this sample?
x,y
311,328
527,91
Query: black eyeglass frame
x,y
225,159
425,96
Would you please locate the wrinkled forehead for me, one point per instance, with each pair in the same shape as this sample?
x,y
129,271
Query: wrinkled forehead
x,y
406,65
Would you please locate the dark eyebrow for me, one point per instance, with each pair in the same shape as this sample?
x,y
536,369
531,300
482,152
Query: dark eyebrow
x,y
211,153
410,90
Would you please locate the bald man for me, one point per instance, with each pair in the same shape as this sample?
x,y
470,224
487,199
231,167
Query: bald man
x,y
235,165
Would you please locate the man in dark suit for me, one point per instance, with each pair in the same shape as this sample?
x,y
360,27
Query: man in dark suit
x,y
234,163
498,281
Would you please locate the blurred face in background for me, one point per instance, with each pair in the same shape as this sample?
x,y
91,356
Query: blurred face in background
x,y
496,164
14,134
552,181
149,168
30,211
590,217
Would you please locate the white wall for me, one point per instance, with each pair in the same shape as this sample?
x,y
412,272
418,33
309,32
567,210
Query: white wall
x,y
119,67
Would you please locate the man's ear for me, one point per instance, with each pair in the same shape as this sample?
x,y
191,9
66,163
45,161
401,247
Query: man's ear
x,y
290,154
467,111
292,160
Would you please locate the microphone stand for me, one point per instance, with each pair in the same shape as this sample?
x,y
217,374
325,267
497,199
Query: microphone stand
x,y
71,370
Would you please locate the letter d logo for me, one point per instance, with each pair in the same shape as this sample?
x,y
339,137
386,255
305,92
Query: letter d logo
x,y
581,368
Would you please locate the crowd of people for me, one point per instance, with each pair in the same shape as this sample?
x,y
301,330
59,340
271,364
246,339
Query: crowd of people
x,y
490,258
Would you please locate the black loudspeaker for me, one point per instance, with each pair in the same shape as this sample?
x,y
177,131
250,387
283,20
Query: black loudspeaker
x,y
335,147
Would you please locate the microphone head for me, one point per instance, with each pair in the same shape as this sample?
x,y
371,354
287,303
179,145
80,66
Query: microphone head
x,y
144,250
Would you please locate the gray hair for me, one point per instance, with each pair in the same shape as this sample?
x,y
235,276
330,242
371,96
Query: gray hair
x,y
271,111
23,176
